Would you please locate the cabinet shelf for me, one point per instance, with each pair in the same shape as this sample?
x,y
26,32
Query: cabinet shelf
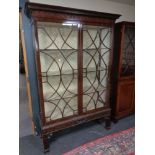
x,y
57,50
72,92
70,49
57,73
72,72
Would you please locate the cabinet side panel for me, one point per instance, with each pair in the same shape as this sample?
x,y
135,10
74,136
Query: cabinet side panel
x,y
26,67
32,72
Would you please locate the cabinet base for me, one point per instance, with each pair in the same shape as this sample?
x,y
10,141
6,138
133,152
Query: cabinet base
x,y
53,128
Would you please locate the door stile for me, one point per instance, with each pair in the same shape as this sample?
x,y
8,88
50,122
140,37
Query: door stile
x,y
80,69
38,69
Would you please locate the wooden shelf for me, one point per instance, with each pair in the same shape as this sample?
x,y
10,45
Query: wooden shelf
x,y
57,73
73,89
56,50
65,50
71,72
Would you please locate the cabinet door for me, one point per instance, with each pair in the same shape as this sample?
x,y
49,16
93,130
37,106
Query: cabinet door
x,y
125,98
128,52
96,54
58,46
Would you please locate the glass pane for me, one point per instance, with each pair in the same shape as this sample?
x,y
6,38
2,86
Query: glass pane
x,y
58,56
96,52
128,55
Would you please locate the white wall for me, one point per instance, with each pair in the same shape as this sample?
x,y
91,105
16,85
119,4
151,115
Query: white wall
x,y
127,11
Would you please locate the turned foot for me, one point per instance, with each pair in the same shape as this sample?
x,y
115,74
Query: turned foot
x,y
45,143
107,123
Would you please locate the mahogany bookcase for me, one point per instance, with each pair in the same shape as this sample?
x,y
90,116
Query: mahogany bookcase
x,y
73,51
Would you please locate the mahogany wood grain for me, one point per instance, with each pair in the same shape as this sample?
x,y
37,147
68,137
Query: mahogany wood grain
x,y
125,98
122,93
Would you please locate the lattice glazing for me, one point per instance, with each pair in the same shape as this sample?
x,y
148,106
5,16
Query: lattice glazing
x,y
58,56
96,52
128,55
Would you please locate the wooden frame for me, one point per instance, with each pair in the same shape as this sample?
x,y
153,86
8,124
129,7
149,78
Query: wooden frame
x,y
120,109
46,13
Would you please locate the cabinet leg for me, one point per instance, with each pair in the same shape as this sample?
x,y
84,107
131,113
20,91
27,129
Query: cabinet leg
x,y
108,123
45,143
99,121
115,120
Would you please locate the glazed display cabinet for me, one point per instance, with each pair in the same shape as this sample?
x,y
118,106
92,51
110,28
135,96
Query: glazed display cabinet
x,y
123,92
73,53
